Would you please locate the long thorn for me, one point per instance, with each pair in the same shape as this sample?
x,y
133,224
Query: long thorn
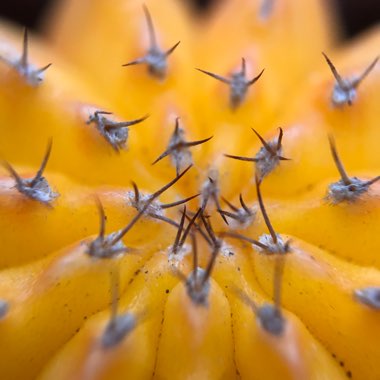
x,y
230,205
218,207
163,155
135,62
245,207
96,113
13,173
164,219
234,235
146,206
337,76
179,232
132,222
241,158
199,229
136,192
256,78
43,164
243,66
229,214
170,51
338,162
198,142
263,211
173,204
356,82
180,145
265,144
152,34
44,68
189,226
24,56
245,298
279,140
195,255
215,76
102,216
372,181
209,229
176,127
171,183
125,124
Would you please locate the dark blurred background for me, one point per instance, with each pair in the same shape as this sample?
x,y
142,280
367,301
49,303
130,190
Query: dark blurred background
x,y
355,14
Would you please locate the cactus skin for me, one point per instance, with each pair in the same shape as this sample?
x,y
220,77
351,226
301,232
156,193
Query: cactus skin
x,y
55,299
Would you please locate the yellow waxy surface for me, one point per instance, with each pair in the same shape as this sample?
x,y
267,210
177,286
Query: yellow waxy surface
x,y
48,302
114,35
59,300
135,356
71,216
328,225
244,32
201,334
294,355
319,288
78,147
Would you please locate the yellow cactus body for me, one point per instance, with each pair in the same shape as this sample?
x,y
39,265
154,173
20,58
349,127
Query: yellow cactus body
x,y
79,303
73,217
313,272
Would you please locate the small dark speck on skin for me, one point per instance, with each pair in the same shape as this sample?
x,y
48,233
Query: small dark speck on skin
x,y
334,356
349,374
238,268
230,253
85,317
146,272
309,187
167,291
341,364
77,330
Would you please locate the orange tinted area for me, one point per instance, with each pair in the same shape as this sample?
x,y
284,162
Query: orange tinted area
x,y
227,300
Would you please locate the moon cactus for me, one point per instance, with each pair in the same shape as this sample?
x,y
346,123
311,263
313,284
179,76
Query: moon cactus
x,y
132,251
